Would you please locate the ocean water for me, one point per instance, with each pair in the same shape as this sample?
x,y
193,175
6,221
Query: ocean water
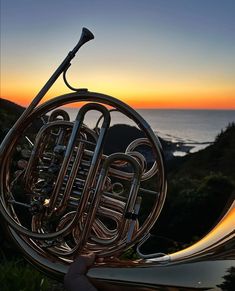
x,y
196,128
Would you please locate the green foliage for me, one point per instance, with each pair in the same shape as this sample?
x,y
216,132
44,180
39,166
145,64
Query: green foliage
x,y
194,206
199,187
229,280
17,275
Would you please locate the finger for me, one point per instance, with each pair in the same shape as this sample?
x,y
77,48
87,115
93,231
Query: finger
x,y
81,264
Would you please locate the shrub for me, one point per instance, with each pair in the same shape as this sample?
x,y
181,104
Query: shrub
x,y
20,276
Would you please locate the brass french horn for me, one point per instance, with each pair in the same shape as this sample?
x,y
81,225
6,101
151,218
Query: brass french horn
x,y
61,193
64,194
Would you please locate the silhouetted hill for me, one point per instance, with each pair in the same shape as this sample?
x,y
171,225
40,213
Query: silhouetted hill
x,y
121,135
216,158
9,113
8,106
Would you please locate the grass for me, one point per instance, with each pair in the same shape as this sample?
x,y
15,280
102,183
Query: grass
x,y
17,275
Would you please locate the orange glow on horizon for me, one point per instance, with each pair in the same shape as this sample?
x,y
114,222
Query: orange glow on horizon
x,y
137,94
159,102
148,91
188,101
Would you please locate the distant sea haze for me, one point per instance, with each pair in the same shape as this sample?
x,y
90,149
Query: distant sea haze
x,y
194,127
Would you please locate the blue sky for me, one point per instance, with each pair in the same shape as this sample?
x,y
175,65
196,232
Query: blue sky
x,y
154,48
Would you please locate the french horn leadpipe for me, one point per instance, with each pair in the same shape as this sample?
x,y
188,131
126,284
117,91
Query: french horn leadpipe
x,y
63,194
85,37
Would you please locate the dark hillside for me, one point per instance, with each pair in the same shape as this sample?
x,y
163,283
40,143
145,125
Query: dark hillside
x,y
121,135
216,158
9,113
8,106
200,188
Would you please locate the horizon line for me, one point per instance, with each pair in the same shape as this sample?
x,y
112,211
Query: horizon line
x,y
141,108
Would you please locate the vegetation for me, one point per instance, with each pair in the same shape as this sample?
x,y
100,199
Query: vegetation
x,y
20,276
200,186
194,206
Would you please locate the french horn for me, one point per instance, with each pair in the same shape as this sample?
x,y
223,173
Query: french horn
x,y
64,194
61,193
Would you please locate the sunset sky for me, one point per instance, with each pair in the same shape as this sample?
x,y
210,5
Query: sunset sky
x,y
150,54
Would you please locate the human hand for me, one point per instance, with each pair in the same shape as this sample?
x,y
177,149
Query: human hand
x,y
76,279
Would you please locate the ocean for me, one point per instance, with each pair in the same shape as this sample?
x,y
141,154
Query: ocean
x,y
196,128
